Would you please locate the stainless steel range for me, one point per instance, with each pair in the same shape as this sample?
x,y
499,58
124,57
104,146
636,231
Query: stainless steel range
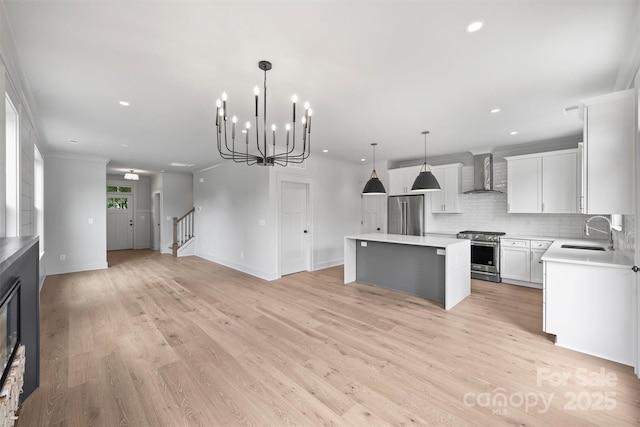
x,y
485,254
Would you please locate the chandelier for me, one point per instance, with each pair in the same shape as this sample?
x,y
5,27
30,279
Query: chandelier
x,y
268,154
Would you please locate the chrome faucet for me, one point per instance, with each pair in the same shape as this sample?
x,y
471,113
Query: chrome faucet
x,y
609,232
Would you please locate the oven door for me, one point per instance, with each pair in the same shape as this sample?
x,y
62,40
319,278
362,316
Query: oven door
x,y
485,256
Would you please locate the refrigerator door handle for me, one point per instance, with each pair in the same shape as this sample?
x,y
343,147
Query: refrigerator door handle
x,y
403,227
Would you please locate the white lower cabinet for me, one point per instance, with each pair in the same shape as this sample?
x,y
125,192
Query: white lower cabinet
x,y
520,261
588,309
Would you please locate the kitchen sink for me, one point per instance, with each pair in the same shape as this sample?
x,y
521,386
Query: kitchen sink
x,y
588,248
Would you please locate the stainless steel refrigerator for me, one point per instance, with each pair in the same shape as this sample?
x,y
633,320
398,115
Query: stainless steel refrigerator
x,y
406,215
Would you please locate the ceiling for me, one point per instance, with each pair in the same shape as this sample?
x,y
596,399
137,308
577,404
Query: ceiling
x,y
379,71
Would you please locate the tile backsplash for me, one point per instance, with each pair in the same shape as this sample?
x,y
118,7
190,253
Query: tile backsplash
x,y
488,212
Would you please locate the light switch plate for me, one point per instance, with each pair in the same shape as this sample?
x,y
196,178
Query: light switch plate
x,y
363,244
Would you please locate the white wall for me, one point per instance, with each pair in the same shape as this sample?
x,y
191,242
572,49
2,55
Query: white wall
x,y
75,196
230,201
176,197
336,188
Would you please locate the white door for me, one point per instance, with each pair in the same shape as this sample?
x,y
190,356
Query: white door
x,y
119,222
374,214
294,232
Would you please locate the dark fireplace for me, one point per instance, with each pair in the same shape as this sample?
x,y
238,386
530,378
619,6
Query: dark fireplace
x,y
9,328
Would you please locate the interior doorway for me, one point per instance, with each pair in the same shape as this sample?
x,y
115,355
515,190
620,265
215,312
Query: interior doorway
x,y
294,227
374,214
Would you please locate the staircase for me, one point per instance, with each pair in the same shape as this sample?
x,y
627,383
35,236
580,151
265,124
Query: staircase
x,y
182,231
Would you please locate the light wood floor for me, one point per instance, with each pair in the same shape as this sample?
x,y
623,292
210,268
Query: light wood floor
x,y
160,341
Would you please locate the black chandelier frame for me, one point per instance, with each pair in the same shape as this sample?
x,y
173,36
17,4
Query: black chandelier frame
x,y
232,150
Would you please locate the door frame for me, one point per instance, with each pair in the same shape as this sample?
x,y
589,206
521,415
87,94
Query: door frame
x,y
131,212
134,200
156,237
295,179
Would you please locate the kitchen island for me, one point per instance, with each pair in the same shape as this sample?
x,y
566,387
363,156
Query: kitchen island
x,y
436,268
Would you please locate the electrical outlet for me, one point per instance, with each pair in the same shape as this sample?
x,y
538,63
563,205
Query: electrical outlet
x,y
63,257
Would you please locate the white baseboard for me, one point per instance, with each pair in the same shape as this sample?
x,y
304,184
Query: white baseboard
x,y
75,268
327,264
243,268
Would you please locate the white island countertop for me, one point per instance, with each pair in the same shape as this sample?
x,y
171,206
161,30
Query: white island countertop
x,y
606,258
431,241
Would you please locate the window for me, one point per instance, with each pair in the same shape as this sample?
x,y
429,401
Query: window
x,y
117,203
116,189
38,196
12,205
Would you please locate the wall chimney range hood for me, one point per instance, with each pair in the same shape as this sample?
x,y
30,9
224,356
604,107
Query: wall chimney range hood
x,y
482,174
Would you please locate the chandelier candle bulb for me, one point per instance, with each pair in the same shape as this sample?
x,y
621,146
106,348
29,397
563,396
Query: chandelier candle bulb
x,y
233,127
256,92
294,98
273,131
224,105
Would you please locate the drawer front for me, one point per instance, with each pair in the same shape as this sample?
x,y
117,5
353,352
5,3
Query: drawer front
x,y
514,243
540,244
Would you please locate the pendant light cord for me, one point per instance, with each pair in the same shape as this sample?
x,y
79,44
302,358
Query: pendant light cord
x,y
424,166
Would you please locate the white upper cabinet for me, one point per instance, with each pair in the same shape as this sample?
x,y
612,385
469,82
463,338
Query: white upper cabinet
x,y
544,182
447,200
524,180
401,180
560,182
609,127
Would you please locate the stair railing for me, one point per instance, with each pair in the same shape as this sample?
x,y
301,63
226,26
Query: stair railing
x,y
182,230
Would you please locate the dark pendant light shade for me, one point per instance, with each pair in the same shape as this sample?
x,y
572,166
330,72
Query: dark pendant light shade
x,y
374,185
425,181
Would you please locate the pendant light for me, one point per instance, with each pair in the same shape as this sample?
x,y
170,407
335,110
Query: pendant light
x,y
425,181
131,175
374,185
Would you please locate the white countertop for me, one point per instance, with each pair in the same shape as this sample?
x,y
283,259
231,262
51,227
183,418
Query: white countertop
x,y
607,258
439,242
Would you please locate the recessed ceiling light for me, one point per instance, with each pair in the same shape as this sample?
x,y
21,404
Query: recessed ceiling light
x,y
325,151
73,141
475,26
363,160
124,103
125,145
495,110
515,132
181,165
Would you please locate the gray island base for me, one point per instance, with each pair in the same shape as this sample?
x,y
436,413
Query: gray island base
x,y
431,267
